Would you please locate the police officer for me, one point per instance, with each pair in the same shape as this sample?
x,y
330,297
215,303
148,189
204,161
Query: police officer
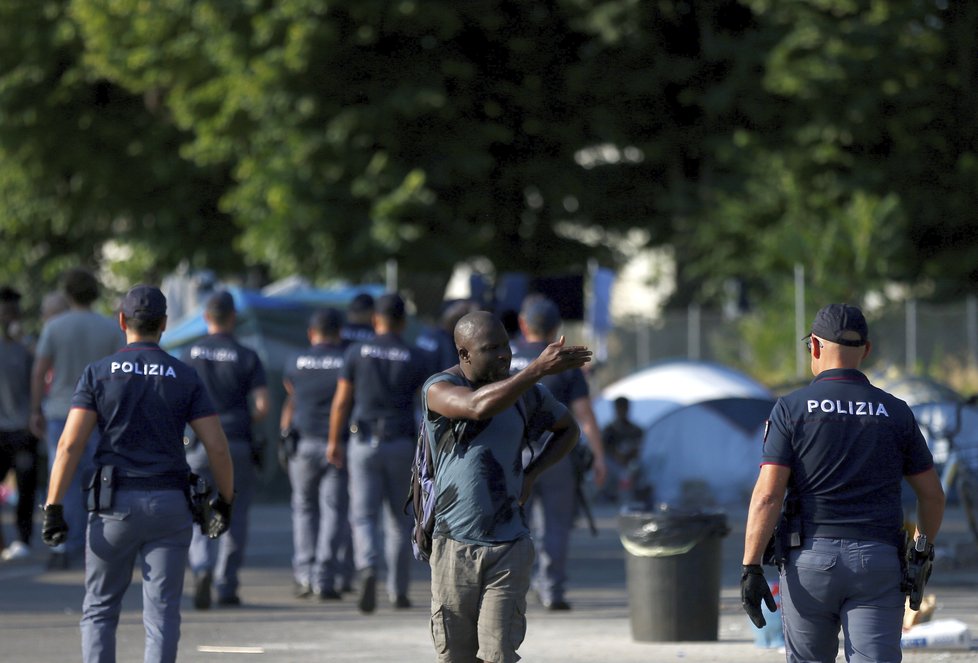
x,y
233,375
838,449
378,385
359,325
140,398
439,340
320,497
555,493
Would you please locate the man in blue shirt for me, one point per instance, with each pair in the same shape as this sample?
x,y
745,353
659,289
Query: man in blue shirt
x,y
375,402
479,419
320,497
140,398
839,449
235,380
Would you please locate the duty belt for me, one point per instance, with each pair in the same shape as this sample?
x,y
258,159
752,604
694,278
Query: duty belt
x,y
161,482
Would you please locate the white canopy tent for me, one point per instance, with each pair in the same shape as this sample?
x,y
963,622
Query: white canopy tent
x,y
703,426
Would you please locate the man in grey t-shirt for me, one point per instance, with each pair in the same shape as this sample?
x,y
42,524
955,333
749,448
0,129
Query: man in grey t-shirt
x,y
482,553
69,342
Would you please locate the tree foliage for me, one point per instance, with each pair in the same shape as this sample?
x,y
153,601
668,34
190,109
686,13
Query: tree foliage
x,y
325,138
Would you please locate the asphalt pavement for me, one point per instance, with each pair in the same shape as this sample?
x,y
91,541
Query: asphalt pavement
x,y
40,609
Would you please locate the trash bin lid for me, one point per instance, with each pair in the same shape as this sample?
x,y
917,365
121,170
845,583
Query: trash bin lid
x,y
667,531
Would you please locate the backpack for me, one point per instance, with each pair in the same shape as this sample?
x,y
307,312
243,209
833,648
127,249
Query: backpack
x,y
421,491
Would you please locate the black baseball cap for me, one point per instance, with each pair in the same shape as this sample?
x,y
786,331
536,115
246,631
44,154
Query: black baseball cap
x,y
391,306
144,302
841,323
221,303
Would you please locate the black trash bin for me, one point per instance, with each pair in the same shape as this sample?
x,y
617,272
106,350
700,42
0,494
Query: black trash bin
x,y
672,568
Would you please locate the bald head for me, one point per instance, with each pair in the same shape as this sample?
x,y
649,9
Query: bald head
x,y
483,347
474,326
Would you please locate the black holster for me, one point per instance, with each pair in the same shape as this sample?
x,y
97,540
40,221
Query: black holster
x,y
787,535
198,497
100,489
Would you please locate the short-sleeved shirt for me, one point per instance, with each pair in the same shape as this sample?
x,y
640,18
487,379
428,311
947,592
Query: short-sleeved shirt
x,y
313,374
354,333
72,341
440,345
143,398
230,372
386,374
15,385
849,445
479,475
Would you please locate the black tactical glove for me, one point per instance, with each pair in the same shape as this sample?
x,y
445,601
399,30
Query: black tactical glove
x,y
54,530
288,442
754,588
219,518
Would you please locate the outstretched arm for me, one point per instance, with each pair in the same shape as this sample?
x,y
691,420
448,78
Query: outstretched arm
x,y
485,402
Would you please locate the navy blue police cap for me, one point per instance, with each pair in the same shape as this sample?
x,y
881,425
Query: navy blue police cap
x,y
362,303
842,324
144,302
391,306
326,321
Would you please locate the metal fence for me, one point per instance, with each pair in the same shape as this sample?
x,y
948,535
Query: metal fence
x,y
937,340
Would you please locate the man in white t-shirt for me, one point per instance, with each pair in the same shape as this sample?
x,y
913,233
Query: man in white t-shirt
x,y
68,343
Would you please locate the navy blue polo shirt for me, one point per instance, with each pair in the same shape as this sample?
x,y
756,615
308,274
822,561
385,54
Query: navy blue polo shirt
x,y
566,386
849,445
386,374
143,398
230,372
354,333
313,375
440,345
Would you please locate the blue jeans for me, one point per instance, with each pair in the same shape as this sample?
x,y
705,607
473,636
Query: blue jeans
x,y
74,500
379,475
320,516
153,525
224,556
831,583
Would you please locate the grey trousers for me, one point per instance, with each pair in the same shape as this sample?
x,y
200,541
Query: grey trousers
x,y
225,555
320,516
379,476
831,583
154,526
552,508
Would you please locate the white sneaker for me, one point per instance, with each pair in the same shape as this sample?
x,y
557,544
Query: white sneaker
x,y
16,550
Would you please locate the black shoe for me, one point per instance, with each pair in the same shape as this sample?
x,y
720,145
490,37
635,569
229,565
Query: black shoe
x,y
346,587
301,591
560,605
368,593
229,601
328,595
202,591
401,602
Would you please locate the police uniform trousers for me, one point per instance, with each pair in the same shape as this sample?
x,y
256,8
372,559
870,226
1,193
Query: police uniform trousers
x,y
154,526
831,583
224,556
380,472
320,516
553,506
74,500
